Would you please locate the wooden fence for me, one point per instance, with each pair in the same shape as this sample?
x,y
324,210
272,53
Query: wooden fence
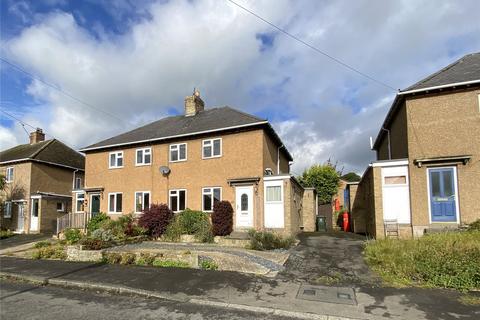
x,y
77,220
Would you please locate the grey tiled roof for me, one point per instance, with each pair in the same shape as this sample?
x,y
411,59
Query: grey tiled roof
x,y
465,69
53,151
207,120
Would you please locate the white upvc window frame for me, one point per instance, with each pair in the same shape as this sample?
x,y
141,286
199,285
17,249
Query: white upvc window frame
x,y
77,200
143,201
63,206
118,154
144,151
176,147
211,193
9,174
176,192
115,194
210,143
279,185
7,210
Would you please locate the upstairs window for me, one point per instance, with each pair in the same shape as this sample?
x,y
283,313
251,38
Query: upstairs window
x,y
116,159
78,183
178,200
178,152
142,201
9,175
212,148
210,196
80,202
144,156
115,202
7,213
60,206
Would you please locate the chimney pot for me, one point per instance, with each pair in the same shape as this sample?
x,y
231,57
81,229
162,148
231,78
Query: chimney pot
x,y
37,136
194,104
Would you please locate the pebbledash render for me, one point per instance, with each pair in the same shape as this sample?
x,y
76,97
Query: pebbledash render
x,y
427,173
193,160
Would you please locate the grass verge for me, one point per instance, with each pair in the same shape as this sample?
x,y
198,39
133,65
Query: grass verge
x,y
442,260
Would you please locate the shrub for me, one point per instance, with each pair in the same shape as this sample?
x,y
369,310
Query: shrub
x,y
72,235
268,241
204,231
6,234
42,244
146,259
111,257
445,260
474,226
156,219
190,220
208,264
102,234
222,218
170,264
50,252
94,244
173,231
96,222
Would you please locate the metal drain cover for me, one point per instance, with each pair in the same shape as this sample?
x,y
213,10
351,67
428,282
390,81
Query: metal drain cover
x,y
339,295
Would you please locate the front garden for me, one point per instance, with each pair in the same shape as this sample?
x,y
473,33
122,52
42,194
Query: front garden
x,y
120,241
439,260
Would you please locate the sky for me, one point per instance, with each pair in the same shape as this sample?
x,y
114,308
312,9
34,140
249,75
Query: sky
x,y
133,62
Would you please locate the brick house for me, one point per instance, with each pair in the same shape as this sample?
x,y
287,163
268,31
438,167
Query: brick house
x,y
39,179
427,171
194,159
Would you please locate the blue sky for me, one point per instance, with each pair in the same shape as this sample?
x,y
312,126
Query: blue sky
x,y
137,60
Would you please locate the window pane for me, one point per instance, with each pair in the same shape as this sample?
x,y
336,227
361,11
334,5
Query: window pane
x,y
183,152
35,208
139,156
119,202
173,203
112,203
274,193
435,183
207,151
244,202
396,180
119,161
112,160
448,183
174,155
216,194
181,205
138,201
146,200
216,147
147,158
59,206
207,202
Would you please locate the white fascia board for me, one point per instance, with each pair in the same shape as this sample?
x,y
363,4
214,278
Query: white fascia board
x,y
172,137
456,84
390,163
282,177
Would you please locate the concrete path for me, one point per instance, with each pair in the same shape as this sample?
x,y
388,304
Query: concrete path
x,y
239,291
21,239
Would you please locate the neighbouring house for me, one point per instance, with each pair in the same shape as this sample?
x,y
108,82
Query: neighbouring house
x,y
39,179
193,160
427,171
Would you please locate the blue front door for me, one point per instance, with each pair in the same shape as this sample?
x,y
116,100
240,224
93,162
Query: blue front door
x,y
442,195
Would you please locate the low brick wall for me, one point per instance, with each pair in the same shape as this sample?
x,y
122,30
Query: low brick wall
x,y
75,253
228,242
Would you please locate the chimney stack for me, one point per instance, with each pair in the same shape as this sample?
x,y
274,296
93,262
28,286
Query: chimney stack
x,y
194,104
37,136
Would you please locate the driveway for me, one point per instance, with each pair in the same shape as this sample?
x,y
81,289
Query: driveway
x,y
20,239
333,258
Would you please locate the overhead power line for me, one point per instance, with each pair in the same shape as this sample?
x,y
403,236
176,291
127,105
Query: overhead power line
x,y
13,65
338,61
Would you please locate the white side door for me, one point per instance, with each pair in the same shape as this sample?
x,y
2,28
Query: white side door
x,y
274,211
244,206
20,217
395,193
34,215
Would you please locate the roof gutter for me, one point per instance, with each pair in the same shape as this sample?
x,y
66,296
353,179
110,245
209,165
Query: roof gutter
x,y
172,137
41,161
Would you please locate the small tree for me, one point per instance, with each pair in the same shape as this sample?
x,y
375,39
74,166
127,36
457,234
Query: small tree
x,y
156,219
324,178
222,218
351,177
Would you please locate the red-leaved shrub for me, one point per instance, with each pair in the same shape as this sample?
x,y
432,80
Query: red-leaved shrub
x,y
222,218
156,219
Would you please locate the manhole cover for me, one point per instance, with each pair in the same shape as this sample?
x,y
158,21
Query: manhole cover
x,y
340,295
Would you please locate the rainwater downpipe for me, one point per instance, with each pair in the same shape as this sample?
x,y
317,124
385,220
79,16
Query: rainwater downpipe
x,y
278,158
389,148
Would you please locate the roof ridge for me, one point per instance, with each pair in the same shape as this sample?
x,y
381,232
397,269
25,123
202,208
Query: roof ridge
x,y
36,153
440,71
245,113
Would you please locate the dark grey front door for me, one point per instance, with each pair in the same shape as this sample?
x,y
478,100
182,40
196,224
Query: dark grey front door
x,y
95,205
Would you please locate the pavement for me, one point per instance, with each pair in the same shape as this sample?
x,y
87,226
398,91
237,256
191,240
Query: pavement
x,y
21,239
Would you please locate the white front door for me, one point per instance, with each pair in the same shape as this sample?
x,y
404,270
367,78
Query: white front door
x,y
274,211
20,217
34,215
244,206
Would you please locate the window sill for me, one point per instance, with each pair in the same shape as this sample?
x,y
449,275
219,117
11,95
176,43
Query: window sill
x,y
115,167
177,161
212,157
115,213
142,164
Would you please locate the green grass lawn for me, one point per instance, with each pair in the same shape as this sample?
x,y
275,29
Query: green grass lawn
x,y
441,260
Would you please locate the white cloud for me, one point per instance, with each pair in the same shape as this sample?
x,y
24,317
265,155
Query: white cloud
x,y
320,109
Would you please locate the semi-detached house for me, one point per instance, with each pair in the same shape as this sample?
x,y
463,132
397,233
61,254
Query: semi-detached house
x,y
193,160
